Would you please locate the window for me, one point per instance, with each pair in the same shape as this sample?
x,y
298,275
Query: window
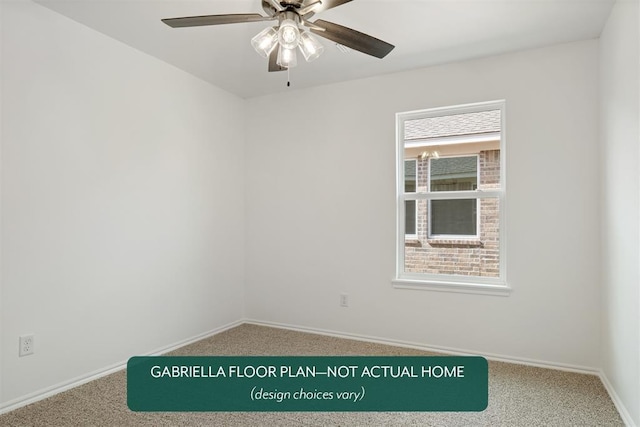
x,y
451,198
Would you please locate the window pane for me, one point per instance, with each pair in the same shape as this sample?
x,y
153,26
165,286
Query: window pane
x,y
454,217
410,217
454,173
474,257
410,176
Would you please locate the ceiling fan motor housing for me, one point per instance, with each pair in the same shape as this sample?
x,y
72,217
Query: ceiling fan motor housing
x,y
285,5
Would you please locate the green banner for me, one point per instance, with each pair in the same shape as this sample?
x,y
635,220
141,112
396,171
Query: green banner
x,y
307,383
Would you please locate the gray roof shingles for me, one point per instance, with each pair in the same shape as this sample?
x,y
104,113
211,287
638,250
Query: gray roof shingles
x,y
453,125
454,165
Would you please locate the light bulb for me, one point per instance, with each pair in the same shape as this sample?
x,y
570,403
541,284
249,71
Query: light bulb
x,y
288,34
265,41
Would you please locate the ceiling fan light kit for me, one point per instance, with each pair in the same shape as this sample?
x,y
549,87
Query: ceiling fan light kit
x,y
293,31
288,36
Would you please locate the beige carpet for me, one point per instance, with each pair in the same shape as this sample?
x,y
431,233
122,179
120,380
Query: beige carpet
x,y
518,395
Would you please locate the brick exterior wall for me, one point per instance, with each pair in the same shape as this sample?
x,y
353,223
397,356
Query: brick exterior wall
x,y
477,257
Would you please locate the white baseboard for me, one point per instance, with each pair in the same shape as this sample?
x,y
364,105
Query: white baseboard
x,y
624,414
435,349
91,376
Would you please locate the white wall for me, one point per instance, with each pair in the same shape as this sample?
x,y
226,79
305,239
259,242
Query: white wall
x,y
320,208
117,218
620,134
122,202
1,133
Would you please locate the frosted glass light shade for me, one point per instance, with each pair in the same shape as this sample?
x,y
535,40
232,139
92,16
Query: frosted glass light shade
x,y
310,46
265,41
287,57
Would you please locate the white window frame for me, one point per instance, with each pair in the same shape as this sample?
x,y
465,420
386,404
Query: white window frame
x,y
413,236
443,282
476,236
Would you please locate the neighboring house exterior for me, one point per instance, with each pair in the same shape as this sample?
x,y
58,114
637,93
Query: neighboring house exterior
x,y
454,236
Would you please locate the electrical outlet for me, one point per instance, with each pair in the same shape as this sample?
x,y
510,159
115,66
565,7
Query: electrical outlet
x,y
344,300
27,343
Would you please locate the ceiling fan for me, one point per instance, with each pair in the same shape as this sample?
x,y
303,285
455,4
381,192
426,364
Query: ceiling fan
x,y
293,31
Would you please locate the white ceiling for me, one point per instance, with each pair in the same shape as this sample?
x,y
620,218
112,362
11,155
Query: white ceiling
x,y
425,32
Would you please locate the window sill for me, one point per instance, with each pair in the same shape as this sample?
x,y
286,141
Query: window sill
x,y
457,287
469,243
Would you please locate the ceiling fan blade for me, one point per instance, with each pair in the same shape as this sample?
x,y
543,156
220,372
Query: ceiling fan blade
x,y
196,21
327,4
273,58
351,38
271,7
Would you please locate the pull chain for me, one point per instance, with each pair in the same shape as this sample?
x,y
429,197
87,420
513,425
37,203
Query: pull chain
x,y
288,77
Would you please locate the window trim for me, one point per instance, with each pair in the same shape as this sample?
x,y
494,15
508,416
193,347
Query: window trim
x,y
444,282
413,236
